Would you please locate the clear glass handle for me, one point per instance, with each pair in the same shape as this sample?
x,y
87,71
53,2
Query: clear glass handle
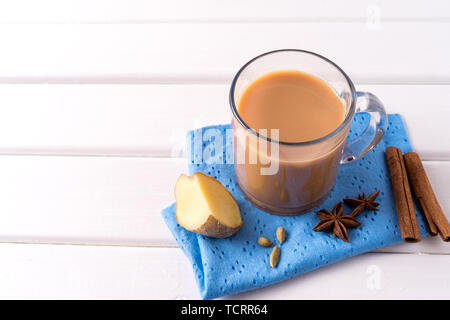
x,y
372,134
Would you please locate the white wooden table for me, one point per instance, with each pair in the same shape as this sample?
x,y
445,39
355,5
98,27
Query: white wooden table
x,y
95,99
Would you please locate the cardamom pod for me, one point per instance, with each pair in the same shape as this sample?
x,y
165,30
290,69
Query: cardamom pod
x,y
281,234
264,242
275,256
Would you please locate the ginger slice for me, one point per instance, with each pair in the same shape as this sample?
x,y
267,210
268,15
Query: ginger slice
x,y
205,206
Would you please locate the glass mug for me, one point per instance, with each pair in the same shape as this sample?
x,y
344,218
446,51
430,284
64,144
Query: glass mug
x,y
305,171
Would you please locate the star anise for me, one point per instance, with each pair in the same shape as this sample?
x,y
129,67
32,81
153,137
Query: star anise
x,y
336,222
362,203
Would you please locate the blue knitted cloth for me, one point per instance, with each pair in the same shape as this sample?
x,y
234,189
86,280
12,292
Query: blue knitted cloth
x,y
236,264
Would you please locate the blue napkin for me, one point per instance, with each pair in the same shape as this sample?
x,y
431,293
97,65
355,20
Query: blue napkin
x,y
236,264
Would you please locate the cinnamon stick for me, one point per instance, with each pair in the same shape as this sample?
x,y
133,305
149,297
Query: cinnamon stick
x,y
402,195
425,196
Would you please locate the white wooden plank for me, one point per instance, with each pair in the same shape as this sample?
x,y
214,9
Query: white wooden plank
x,y
116,201
84,272
151,120
425,110
133,120
86,200
370,276
392,53
144,11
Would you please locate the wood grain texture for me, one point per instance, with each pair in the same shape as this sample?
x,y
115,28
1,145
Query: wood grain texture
x,y
116,201
85,272
152,120
393,52
153,11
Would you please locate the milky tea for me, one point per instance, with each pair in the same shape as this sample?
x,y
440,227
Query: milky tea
x,y
303,108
